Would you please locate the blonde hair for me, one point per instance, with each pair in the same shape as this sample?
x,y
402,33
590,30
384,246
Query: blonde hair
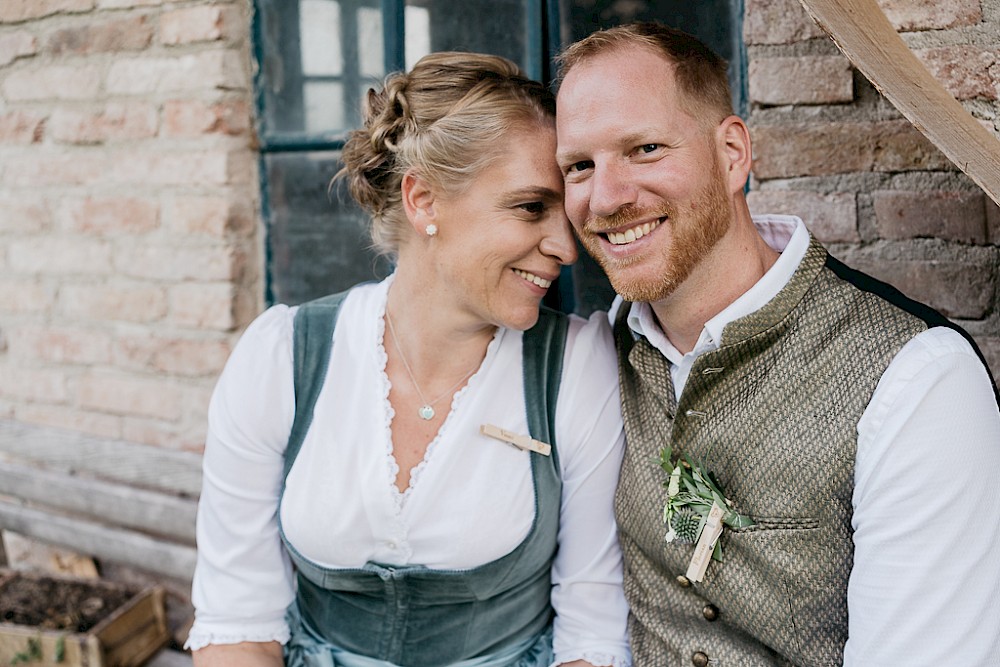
x,y
446,119
700,73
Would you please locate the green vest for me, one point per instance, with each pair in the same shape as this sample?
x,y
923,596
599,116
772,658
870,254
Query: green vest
x,y
773,413
412,615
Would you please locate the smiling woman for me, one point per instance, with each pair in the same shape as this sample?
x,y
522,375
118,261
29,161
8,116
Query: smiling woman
x,y
446,547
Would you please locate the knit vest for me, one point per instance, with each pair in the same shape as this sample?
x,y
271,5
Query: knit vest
x,y
773,413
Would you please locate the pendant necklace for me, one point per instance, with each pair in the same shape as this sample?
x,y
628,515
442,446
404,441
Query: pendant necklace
x,y
426,410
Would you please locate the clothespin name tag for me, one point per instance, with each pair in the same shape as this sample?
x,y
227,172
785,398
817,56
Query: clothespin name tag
x,y
706,544
520,441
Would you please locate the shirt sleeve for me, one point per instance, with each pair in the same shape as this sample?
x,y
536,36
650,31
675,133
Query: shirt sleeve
x,y
588,598
243,579
926,575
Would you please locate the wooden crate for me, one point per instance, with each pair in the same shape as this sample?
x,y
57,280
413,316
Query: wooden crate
x,y
128,636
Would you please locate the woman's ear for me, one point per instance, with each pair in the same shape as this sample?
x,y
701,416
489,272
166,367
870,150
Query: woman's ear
x,y
736,151
418,201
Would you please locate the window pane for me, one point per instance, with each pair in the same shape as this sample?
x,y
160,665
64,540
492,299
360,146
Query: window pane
x,y
488,26
317,242
315,57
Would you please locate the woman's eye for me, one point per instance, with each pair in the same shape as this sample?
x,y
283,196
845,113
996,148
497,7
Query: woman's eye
x,y
534,207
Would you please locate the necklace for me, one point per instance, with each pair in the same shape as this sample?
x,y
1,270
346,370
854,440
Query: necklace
x,y
426,410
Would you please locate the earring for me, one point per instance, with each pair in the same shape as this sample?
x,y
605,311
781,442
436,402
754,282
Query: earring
x,y
431,230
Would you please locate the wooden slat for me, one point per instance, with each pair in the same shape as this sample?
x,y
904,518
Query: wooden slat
x,y
870,42
118,504
100,541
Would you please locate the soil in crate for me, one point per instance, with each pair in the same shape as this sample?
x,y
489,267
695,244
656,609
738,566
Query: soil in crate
x,y
58,605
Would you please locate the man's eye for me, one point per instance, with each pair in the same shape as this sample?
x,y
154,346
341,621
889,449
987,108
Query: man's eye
x,y
648,148
582,165
533,207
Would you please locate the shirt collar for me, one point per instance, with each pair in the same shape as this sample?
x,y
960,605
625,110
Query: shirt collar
x,y
784,233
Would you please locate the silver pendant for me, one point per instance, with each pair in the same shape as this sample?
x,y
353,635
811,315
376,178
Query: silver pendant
x,y
426,412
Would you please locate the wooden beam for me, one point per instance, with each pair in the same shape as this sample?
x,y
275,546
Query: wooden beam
x,y
862,31
100,541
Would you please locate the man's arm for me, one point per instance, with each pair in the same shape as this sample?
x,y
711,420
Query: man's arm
x,y
927,540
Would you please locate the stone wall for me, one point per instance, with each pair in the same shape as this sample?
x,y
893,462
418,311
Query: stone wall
x,y
129,212
832,150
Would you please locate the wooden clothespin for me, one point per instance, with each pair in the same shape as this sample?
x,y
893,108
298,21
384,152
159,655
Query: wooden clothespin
x,y
706,544
520,441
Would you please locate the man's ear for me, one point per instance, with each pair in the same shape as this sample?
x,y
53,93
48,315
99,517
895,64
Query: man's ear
x,y
736,151
418,201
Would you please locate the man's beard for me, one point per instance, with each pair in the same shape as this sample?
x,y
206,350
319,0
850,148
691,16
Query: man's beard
x,y
695,231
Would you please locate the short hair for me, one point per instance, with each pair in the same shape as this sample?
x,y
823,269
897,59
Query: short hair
x,y
447,118
700,73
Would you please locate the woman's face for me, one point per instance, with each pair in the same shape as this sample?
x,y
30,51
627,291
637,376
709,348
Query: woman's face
x,y
502,241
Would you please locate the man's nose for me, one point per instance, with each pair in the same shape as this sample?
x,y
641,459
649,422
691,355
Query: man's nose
x,y
611,189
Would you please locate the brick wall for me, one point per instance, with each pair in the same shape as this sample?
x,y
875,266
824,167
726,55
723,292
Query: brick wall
x,y
129,222
832,150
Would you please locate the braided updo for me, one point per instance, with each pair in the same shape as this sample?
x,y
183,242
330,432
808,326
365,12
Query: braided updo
x,y
446,119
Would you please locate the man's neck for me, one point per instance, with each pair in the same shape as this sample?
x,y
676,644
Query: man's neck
x,y
735,264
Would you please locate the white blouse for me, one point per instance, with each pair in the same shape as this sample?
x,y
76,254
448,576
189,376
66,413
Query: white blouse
x,y
470,501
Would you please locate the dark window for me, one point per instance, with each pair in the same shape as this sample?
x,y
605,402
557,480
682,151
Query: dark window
x,y
316,60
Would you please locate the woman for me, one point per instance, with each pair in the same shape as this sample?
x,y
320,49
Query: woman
x,y
417,539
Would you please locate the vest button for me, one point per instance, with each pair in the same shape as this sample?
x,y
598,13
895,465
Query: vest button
x,y
683,581
700,659
710,612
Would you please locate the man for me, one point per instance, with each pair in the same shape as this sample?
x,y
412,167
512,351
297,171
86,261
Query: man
x,y
858,430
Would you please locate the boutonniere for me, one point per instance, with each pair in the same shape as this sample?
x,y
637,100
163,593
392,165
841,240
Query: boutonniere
x,y
696,510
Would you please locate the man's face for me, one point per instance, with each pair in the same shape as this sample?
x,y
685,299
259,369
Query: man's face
x,y
645,189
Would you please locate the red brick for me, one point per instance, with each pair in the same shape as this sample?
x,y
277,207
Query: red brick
x,y
931,14
963,70
178,263
832,218
197,24
953,216
204,306
109,215
40,168
992,220
129,396
128,34
71,419
32,384
212,216
814,149
777,22
24,214
990,347
200,168
54,82
191,118
16,45
115,122
113,302
21,295
61,255
15,11
21,127
209,70
801,80
61,345
958,290
192,357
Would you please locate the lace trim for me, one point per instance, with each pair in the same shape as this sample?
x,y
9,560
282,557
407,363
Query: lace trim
x,y
392,467
198,639
596,659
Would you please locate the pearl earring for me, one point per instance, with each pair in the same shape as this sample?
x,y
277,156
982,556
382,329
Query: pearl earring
x,y
431,230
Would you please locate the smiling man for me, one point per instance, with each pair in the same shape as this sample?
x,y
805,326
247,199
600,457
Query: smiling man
x,y
857,429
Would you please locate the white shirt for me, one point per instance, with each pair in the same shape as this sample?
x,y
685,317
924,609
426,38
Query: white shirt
x,y
470,501
925,586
